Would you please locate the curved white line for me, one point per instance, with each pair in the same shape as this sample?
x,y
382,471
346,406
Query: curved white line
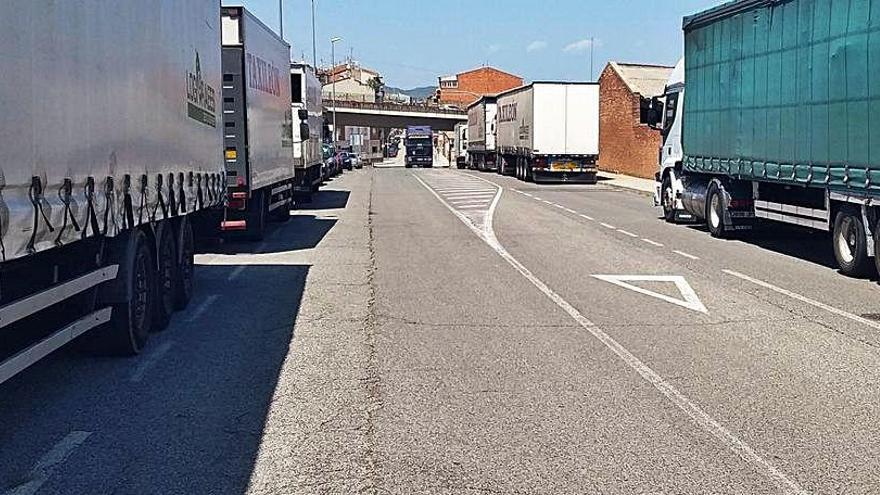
x,y
697,415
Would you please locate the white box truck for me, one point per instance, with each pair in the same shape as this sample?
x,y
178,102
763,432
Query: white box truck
x,y
308,107
461,145
109,160
481,134
549,131
257,124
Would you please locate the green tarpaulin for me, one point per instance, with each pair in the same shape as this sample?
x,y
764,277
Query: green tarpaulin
x,y
788,91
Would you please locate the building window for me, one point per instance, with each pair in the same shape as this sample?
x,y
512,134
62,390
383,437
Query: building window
x,y
296,89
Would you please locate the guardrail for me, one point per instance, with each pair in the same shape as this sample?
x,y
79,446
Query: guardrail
x,y
390,107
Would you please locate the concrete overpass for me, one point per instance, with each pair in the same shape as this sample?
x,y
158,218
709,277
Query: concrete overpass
x,y
390,115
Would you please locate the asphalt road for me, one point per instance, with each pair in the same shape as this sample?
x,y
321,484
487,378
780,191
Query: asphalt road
x,y
448,332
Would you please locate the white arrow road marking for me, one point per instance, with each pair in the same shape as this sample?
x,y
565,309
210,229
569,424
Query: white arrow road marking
x,y
691,300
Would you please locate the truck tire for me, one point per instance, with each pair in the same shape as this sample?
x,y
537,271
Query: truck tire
x,y
184,279
127,331
715,212
165,277
850,243
667,200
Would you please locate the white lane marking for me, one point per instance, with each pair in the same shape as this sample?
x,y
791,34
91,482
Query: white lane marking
x,y
235,273
570,211
626,233
587,217
686,255
545,201
537,198
148,362
47,464
804,299
481,199
529,195
487,194
689,300
560,206
201,308
608,225
697,415
473,207
653,243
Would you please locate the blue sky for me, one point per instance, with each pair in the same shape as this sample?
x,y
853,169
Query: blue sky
x,y
413,42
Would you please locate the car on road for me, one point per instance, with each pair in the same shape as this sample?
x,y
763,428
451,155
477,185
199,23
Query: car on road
x,y
330,167
356,160
343,158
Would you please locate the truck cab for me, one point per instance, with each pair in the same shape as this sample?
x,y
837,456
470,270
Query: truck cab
x,y
669,186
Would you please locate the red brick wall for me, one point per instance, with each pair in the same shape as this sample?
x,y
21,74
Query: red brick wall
x,y
483,81
625,145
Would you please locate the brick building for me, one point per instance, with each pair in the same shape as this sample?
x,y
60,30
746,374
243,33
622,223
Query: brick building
x,y
627,145
464,88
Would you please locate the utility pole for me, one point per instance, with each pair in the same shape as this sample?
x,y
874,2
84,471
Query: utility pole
x,y
314,42
333,42
281,18
592,43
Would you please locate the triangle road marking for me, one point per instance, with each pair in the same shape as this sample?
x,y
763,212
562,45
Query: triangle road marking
x,y
689,300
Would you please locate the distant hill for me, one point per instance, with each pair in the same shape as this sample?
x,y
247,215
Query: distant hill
x,y
417,93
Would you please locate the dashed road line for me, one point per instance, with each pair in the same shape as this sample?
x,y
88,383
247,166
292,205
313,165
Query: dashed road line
x,y
608,225
626,233
148,362
686,255
653,243
587,217
202,307
47,464
235,273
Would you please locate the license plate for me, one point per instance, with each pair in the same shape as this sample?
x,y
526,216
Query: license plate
x,y
563,166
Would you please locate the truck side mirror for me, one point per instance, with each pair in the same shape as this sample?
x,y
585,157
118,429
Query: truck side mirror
x,y
655,113
304,131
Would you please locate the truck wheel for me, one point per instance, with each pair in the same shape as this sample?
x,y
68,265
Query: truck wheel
x,y
530,174
165,278
850,243
715,212
127,331
185,273
667,199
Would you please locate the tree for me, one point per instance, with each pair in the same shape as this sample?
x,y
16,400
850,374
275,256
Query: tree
x,y
378,86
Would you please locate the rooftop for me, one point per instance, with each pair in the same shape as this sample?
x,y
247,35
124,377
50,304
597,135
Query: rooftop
x,y
644,79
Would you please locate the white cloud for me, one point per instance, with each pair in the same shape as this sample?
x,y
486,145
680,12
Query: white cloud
x,y
493,49
536,46
581,45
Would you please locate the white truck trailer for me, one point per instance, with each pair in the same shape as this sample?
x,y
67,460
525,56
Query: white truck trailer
x,y
549,131
308,107
482,134
257,124
461,145
109,161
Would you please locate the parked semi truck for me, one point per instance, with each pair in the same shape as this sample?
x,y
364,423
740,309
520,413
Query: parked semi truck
x,y
257,124
770,116
308,108
549,132
110,161
461,145
482,127
419,143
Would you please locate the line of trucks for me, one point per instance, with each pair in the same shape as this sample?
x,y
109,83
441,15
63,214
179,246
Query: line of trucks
x,y
150,124
541,132
774,114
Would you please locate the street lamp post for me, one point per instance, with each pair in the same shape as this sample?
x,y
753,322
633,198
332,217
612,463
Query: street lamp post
x,y
333,42
281,18
314,44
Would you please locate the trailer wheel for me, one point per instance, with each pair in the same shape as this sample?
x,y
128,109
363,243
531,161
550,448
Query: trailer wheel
x,y
715,212
165,279
850,244
667,199
185,274
127,331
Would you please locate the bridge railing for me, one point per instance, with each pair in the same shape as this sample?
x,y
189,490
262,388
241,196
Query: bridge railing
x,y
391,107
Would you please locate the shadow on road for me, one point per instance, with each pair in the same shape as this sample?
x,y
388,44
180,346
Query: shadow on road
x,y
300,232
326,200
185,417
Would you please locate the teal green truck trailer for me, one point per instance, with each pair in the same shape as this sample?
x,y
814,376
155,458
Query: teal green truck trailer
x,y
774,114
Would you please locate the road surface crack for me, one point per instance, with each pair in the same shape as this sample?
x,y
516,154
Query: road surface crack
x,y
372,379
